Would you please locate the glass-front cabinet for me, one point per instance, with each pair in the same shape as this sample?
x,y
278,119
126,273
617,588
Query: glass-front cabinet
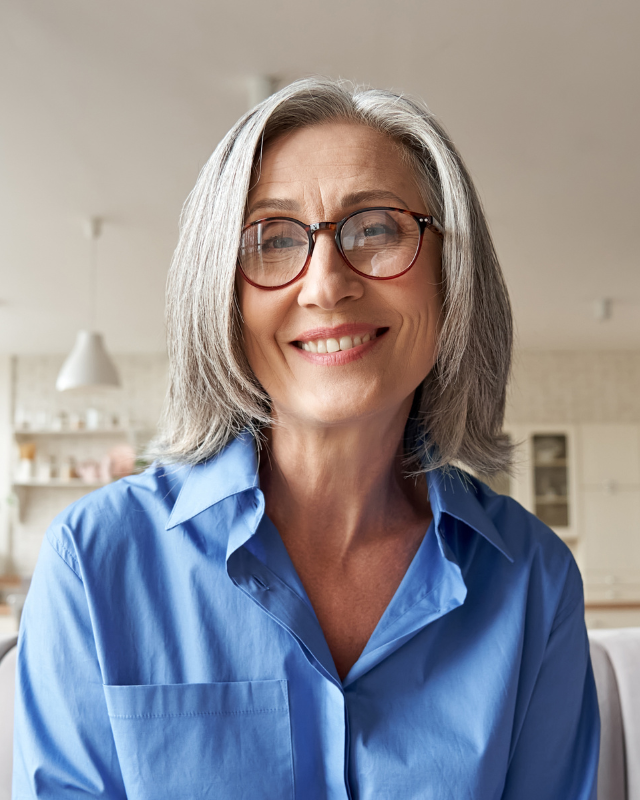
x,y
551,479
545,476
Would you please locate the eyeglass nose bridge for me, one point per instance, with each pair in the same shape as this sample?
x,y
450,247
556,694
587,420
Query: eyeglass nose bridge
x,y
322,226
335,227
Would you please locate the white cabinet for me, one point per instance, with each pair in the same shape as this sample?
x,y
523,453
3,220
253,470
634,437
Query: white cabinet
x,y
609,548
609,456
544,480
609,492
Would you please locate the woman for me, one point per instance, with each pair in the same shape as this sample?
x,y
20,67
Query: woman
x,y
307,596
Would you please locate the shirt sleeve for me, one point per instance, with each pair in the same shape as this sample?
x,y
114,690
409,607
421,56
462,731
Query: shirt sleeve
x,y
63,744
557,749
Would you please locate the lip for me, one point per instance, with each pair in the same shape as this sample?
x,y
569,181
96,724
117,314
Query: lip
x,y
348,329
342,356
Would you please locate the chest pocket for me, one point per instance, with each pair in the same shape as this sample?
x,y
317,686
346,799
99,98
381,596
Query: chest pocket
x,y
203,740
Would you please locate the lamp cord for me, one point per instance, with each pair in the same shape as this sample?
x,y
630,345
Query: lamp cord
x,y
93,273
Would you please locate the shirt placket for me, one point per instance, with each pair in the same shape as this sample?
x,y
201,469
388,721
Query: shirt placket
x,y
290,611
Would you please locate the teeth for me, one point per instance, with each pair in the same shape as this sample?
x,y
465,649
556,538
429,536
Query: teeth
x,y
335,345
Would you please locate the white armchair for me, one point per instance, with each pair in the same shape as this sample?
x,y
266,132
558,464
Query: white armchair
x,y
7,687
615,655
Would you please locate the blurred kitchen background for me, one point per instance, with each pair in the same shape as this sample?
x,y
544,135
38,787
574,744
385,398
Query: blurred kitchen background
x,y
108,112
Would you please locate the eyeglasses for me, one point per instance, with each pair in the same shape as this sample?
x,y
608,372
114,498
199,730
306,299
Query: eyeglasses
x,y
378,243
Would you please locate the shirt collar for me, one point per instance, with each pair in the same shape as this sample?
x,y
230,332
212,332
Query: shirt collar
x,y
235,470
231,472
454,493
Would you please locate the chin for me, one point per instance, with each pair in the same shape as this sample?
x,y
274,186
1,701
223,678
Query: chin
x,y
338,408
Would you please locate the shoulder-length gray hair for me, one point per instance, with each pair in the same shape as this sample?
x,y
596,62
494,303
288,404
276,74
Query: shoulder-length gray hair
x,y
213,394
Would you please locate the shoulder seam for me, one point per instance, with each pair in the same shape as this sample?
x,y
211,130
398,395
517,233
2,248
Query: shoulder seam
x,y
64,553
565,614
562,613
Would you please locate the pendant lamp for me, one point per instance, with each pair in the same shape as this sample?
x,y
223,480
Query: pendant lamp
x,y
88,365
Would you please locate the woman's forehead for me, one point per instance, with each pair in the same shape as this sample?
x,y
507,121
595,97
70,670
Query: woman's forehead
x,y
342,158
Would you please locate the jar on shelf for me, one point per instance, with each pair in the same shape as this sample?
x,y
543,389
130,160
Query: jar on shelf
x,y
43,471
89,470
22,419
60,421
26,464
41,420
94,419
76,422
68,469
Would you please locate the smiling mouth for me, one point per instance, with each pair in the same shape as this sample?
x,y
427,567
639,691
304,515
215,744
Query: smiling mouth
x,y
334,345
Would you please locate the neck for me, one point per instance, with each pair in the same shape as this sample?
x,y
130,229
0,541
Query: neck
x,y
339,487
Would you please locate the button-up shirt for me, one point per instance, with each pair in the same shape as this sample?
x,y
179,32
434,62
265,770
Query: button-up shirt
x,y
168,650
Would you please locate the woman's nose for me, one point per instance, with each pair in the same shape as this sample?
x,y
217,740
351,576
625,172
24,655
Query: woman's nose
x,y
328,281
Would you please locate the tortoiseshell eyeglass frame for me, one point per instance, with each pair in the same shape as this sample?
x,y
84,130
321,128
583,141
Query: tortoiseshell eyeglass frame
x,y
425,222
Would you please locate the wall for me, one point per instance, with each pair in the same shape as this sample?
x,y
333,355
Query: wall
x,y
5,465
574,387
139,400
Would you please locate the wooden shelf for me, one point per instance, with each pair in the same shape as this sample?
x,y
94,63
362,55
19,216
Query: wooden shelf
x,y
557,462
55,483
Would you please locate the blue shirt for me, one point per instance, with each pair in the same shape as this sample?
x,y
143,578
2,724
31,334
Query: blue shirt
x,y
168,650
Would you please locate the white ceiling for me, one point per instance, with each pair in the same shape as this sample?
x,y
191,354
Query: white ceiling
x,y
111,108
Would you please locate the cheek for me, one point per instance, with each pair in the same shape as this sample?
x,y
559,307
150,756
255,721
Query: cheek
x,y
429,289
418,301
431,324
262,315
420,309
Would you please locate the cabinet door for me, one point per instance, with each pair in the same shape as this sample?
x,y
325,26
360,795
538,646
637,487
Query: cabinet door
x,y
530,489
610,546
610,455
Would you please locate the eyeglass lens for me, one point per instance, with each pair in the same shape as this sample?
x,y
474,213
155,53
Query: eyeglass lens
x,y
378,243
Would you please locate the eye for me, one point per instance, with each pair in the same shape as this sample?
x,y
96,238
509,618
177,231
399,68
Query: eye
x,y
279,243
280,238
377,229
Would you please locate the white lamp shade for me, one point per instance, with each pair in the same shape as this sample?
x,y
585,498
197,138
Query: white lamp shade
x,y
87,365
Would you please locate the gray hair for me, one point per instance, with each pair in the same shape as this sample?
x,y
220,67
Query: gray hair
x,y
213,394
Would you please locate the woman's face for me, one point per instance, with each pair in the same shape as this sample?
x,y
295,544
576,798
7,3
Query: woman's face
x,y
323,173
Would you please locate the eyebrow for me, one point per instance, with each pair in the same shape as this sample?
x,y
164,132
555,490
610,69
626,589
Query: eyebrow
x,y
355,198
347,201
274,204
